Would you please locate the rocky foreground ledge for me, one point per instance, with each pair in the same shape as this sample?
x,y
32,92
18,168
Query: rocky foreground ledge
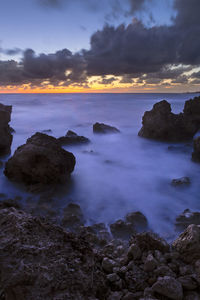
x,y
41,260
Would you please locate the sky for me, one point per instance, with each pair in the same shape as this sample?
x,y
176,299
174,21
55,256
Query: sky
x,y
99,46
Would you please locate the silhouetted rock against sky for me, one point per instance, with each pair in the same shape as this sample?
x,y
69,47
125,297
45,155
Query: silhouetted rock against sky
x,y
161,124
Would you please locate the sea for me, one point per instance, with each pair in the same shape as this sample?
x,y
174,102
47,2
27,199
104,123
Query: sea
x,y
116,173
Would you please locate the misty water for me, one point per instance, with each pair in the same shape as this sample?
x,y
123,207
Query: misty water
x,y
116,173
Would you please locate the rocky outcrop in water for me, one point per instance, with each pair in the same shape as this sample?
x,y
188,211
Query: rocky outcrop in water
x,y
187,218
161,124
196,152
71,138
183,181
192,110
40,260
103,128
5,129
40,161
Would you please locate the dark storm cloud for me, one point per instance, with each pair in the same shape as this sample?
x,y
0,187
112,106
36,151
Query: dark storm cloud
x,y
12,52
11,73
138,49
133,51
37,68
117,7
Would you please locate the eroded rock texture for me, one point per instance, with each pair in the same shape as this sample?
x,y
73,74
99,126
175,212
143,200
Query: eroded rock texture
x,y
5,129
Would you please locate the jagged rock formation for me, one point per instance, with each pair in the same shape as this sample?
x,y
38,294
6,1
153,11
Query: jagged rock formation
x,y
71,138
5,129
161,124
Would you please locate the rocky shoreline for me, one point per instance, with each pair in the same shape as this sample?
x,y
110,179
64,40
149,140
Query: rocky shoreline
x,y
46,256
43,260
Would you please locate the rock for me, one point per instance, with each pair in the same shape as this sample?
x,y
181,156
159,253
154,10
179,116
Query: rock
x,y
112,277
164,271
1,164
5,132
161,124
40,161
71,138
72,216
188,282
115,296
196,152
42,261
138,220
9,203
108,265
192,296
169,287
150,263
192,109
150,241
187,218
103,128
128,296
181,149
188,244
122,230
12,130
181,181
134,252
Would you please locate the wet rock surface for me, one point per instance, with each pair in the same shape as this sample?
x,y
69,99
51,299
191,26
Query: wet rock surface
x,y
103,128
196,152
5,129
72,216
188,243
41,161
124,229
183,181
187,218
40,260
71,138
161,124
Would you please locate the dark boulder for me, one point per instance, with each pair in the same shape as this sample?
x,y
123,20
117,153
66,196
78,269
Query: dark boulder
x,y
161,124
183,181
187,218
196,152
40,161
71,138
72,216
138,220
103,128
188,244
5,129
122,230
150,241
192,110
